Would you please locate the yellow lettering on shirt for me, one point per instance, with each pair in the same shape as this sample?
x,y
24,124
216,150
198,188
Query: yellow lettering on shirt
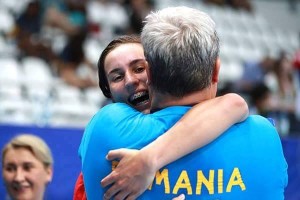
x,y
220,181
235,179
183,182
162,177
209,183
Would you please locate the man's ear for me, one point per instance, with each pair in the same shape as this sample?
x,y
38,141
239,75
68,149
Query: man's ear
x,y
215,75
148,73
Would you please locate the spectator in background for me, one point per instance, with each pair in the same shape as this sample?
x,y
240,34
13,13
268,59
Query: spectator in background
x,y
261,99
27,167
275,96
296,64
254,73
236,4
67,15
137,10
72,58
27,33
240,5
284,92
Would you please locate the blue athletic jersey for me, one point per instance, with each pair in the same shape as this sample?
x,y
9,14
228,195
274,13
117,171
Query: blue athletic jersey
x,y
245,162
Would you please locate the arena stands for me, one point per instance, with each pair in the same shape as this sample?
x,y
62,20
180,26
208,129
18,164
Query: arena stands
x,y
33,94
245,35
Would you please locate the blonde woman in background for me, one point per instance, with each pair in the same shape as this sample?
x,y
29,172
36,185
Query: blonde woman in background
x,y
27,167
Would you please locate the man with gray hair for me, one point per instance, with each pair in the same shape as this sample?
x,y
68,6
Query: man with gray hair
x,y
246,162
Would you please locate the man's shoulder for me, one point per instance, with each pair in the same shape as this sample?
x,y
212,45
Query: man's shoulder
x,y
257,126
260,120
172,111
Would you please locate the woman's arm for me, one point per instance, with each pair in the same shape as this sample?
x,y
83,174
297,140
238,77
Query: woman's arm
x,y
198,127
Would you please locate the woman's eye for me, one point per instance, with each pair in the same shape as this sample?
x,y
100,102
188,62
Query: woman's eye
x,y
27,167
117,78
10,168
139,69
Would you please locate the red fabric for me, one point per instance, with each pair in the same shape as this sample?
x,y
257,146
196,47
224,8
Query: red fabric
x,y
79,191
296,60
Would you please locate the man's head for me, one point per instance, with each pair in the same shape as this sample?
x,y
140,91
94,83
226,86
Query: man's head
x,y
182,47
122,72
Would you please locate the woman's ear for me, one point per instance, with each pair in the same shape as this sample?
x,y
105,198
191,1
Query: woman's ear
x,y
49,172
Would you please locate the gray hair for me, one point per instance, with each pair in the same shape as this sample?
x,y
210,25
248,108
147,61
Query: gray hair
x,y
181,46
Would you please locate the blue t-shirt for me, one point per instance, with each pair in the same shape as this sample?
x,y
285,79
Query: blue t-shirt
x,y
246,162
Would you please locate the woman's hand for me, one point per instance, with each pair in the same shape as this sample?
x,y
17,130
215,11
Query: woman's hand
x,y
131,177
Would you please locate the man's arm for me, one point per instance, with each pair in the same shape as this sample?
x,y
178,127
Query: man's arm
x,y
198,127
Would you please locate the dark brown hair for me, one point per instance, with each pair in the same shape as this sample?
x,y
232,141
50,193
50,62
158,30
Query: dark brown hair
x,y
126,39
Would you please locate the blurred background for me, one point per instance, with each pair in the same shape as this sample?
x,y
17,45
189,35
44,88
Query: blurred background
x,y
48,74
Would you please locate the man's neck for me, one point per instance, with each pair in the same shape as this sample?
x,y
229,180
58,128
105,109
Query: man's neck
x,y
160,101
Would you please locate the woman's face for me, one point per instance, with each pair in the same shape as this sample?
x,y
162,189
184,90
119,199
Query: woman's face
x,y
24,175
125,69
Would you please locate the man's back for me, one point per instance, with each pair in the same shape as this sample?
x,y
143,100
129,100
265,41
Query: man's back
x,y
246,162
